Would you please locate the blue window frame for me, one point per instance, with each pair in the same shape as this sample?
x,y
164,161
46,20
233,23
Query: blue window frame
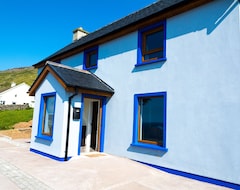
x,y
90,58
46,116
152,44
103,101
149,130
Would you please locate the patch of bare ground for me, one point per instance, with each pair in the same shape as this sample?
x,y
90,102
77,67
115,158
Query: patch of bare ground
x,y
20,130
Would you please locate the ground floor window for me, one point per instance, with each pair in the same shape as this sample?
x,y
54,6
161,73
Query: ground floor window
x,y
2,102
150,120
46,119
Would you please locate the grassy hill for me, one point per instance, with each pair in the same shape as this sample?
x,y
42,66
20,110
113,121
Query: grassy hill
x,y
18,75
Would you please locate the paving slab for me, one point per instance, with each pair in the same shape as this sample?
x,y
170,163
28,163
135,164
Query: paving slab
x,y
22,169
6,183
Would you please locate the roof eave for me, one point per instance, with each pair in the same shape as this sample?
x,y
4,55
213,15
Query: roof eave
x,y
90,91
168,12
47,69
68,87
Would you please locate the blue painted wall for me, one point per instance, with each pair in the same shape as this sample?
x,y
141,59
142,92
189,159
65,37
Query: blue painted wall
x,y
201,78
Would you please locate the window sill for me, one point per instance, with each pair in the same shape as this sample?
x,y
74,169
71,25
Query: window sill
x,y
150,62
90,68
44,137
149,146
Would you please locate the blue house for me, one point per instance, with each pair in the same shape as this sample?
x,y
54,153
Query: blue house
x,y
160,86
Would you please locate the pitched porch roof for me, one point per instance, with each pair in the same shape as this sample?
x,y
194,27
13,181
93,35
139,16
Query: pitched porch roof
x,y
73,79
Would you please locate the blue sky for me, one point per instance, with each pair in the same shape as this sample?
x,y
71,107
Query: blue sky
x,y
34,29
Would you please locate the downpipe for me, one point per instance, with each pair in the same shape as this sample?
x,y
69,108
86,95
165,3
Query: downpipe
x,y
68,124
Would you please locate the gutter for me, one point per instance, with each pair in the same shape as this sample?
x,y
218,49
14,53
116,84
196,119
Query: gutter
x,y
68,123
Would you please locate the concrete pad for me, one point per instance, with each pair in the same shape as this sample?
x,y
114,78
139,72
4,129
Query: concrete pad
x,y
6,183
88,172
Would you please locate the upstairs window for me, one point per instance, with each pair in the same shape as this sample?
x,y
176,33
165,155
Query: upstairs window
x,y
152,44
90,58
2,102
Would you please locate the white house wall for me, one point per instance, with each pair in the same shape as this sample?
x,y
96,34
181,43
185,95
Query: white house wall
x,y
201,78
17,95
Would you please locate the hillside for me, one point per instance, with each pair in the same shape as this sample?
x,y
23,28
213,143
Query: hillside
x,y
18,75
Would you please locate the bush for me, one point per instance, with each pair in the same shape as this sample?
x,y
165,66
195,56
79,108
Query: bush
x,y
10,117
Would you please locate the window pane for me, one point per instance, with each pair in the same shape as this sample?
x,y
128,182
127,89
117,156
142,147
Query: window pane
x,y
48,115
154,40
152,119
92,59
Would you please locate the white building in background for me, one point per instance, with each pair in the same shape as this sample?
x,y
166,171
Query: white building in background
x,y
17,94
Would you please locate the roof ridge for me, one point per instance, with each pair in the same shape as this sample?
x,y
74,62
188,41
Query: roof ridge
x,y
66,67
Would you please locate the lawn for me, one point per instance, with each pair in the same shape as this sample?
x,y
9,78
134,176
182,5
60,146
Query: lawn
x,y
10,117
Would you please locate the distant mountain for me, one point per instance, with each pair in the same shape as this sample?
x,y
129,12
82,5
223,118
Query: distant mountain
x,y
17,75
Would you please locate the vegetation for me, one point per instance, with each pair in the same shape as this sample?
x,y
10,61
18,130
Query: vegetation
x,y
10,117
18,76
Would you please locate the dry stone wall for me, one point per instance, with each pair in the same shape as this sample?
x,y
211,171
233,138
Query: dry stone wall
x,y
13,107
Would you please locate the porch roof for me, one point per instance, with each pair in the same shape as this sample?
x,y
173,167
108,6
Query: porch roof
x,y
73,79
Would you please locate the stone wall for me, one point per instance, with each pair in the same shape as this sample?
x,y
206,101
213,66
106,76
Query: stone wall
x,y
13,107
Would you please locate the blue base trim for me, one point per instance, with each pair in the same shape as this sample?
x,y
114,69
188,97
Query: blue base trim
x,y
196,177
49,155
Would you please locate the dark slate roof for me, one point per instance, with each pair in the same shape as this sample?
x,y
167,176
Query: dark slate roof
x,y
74,78
80,78
159,6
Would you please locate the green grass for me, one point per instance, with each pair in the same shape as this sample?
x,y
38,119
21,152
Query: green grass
x,y
10,117
18,75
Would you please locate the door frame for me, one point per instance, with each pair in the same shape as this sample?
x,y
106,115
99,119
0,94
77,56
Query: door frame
x,y
102,115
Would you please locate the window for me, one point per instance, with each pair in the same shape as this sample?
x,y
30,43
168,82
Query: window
x,y
152,44
46,119
150,120
90,58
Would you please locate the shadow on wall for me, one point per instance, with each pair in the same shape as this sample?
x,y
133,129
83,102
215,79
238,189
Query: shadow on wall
x,y
121,45
199,19
207,17
43,141
141,150
156,65
203,18
74,61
